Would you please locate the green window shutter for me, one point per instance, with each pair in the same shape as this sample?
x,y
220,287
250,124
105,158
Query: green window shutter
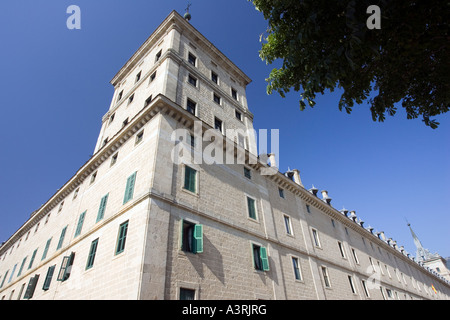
x,y
264,258
91,257
32,259
22,265
182,234
48,278
44,255
121,239
4,278
61,238
129,189
190,179
251,208
66,267
101,209
198,238
80,224
31,286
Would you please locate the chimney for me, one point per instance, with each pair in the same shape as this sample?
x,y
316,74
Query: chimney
x,y
272,160
381,235
370,229
313,190
325,196
361,222
353,215
297,179
344,212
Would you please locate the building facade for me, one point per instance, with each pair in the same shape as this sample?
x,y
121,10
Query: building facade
x,y
142,219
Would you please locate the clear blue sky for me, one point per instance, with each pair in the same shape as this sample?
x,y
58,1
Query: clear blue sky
x,y
55,89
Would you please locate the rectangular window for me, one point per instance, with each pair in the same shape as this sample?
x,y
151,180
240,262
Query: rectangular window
x,y
138,76
187,294
234,94
121,237
61,238
247,173
350,280
341,249
214,77
131,98
192,237
114,159
190,179
147,101
326,279
66,267
191,106
251,207
308,209
281,192
94,175
80,224
91,256
48,278
366,291
129,189
152,77
158,55
260,259
296,267
192,59
120,96
316,238
47,245
355,256
139,137
192,80
31,287
4,278
21,266
216,98
287,224
238,115
218,124
191,140
32,259
102,208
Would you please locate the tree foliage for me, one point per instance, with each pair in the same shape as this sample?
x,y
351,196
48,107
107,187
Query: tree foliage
x,y
326,44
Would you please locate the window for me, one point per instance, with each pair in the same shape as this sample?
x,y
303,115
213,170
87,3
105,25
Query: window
x,y
31,287
241,140
152,77
122,237
102,208
129,189
91,256
333,223
75,195
61,238
131,98
80,223
287,224
59,210
308,209
341,249
119,97
158,56
192,59
191,140
147,101
47,245
48,278
247,173
366,291
32,259
191,106
190,179
191,237
326,279
93,177
355,256
138,76
218,124
216,98
4,278
192,80
260,259
114,159
214,77
238,115
350,280
125,122
316,238
139,137
251,207
234,94
21,266
389,293
66,267
296,268
281,192
187,294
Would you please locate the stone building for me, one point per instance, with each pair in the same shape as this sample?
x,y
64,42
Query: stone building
x,y
133,223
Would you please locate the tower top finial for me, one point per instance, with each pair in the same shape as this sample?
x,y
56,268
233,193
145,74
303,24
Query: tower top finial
x,y
187,15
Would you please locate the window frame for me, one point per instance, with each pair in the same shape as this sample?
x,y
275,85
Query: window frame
x,y
121,238
187,183
249,216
